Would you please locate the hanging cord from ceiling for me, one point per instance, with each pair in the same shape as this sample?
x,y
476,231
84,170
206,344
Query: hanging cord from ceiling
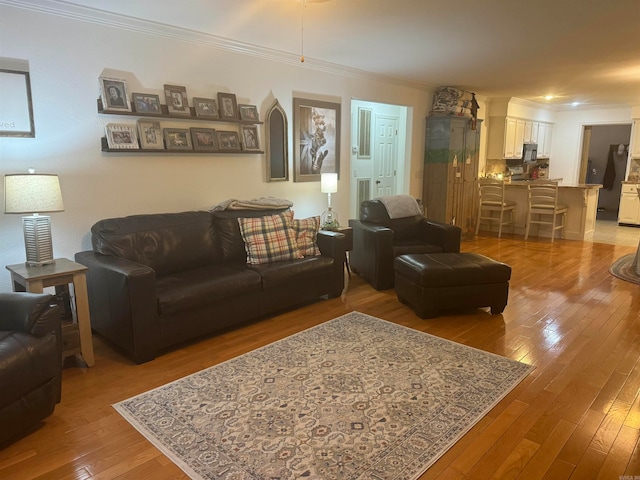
x,y
304,7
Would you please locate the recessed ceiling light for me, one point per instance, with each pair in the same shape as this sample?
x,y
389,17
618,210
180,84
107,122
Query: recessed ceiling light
x,y
575,104
549,97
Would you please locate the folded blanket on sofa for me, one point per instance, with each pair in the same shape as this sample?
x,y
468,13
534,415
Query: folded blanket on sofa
x,y
400,206
262,203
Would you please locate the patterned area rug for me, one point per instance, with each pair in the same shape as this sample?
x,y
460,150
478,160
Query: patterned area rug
x,y
354,398
623,269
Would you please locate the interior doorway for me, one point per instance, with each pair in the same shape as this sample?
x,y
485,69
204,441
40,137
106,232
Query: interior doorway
x,y
380,143
603,163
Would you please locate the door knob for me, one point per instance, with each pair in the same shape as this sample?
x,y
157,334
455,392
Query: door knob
x,y
377,182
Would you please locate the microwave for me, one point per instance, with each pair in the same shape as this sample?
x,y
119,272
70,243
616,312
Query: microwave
x,y
529,153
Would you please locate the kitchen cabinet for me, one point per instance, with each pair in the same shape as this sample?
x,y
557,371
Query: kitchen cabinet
x,y
507,135
451,159
629,211
635,140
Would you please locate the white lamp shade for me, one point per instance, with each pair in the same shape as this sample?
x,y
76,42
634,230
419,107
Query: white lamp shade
x,y
329,182
32,193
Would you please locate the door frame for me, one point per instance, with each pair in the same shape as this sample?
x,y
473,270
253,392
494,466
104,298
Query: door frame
x,y
363,168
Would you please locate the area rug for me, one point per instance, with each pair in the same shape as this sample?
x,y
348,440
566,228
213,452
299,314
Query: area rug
x,y
354,398
624,269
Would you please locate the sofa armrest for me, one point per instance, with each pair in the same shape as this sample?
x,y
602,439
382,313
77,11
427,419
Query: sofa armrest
x,y
123,303
372,255
442,234
332,244
33,313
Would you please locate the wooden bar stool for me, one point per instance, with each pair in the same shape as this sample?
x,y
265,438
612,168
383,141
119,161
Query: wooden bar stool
x,y
543,203
491,199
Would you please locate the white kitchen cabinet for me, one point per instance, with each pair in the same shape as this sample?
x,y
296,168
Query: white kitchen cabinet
x,y
510,138
544,139
531,132
519,140
629,211
635,140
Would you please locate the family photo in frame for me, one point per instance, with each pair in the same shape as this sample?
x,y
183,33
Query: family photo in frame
x,y
317,139
114,94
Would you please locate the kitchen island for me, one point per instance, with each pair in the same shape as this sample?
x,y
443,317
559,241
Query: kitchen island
x,y
582,200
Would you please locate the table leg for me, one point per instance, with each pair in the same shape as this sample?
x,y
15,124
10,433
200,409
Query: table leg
x,y
84,321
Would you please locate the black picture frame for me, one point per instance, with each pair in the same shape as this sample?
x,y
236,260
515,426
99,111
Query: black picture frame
x,y
205,107
250,138
316,139
248,113
176,98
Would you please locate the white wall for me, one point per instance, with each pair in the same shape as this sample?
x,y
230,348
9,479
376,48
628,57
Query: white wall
x,y
66,57
566,143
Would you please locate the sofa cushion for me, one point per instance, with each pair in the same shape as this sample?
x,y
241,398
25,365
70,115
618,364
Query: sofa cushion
x,y
296,272
269,239
194,288
306,235
166,242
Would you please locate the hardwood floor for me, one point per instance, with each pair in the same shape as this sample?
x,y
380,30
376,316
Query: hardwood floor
x,y
576,416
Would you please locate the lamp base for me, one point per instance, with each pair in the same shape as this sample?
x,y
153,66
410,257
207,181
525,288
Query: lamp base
x,y
37,240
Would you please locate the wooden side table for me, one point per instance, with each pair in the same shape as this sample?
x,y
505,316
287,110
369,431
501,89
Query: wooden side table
x,y
348,233
61,273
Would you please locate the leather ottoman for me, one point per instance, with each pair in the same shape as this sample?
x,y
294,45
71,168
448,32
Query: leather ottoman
x,y
434,282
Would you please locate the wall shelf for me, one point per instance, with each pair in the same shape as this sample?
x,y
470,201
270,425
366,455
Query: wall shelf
x,y
106,149
165,114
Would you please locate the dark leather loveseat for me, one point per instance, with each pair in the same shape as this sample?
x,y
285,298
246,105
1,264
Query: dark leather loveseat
x,y
160,279
30,361
378,239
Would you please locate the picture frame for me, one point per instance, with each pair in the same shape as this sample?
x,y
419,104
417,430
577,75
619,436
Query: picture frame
x,y
177,138
250,140
16,114
316,139
176,98
114,94
248,113
204,139
228,106
146,103
205,107
228,141
150,134
122,136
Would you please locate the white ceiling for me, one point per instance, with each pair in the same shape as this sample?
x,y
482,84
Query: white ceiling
x,y
585,51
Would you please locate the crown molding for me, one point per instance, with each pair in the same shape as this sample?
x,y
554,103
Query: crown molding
x,y
100,17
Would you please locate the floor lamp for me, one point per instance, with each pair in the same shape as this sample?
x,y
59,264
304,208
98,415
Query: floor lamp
x,y
329,185
31,193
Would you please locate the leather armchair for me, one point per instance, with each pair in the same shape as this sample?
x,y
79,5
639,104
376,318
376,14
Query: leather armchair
x,y
378,239
30,361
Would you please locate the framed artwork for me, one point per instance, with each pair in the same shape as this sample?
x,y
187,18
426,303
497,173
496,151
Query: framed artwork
x,y
176,98
204,139
228,106
177,139
316,139
250,141
248,113
228,141
150,134
205,107
16,112
146,103
122,136
114,94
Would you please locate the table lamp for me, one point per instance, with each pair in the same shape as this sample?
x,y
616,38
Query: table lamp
x,y
34,193
329,185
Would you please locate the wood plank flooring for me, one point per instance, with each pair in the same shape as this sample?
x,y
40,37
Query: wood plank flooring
x,y
577,416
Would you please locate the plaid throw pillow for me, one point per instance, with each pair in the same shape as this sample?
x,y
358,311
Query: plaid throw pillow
x,y
269,239
306,235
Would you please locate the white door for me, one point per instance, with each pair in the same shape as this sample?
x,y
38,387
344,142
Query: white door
x,y
386,154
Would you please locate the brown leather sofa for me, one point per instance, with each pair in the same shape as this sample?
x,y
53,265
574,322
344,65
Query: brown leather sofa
x,y
160,279
30,361
378,239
